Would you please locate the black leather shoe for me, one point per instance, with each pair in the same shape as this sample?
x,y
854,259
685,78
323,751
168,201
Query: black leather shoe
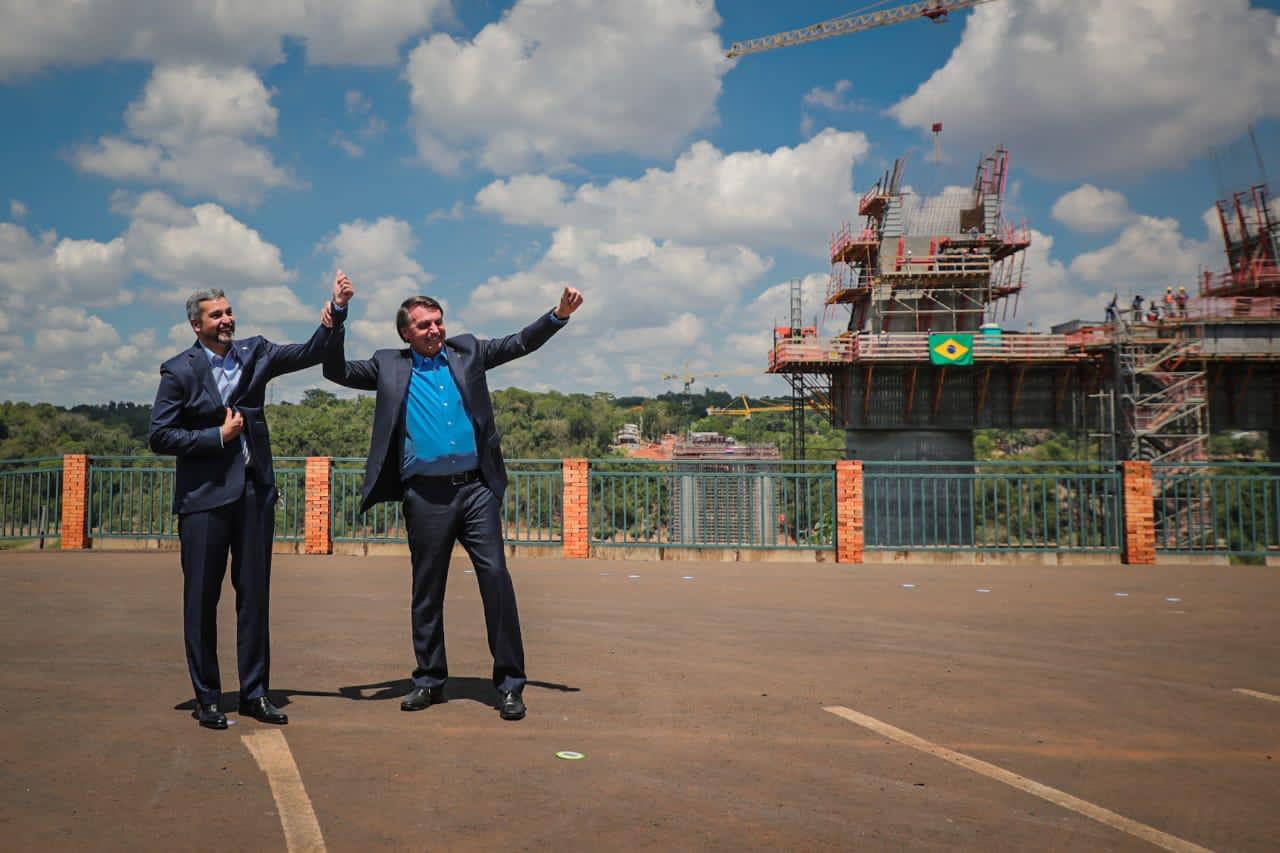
x,y
263,711
209,716
512,707
422,698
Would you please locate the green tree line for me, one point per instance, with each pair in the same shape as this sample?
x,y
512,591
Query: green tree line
x,y
534,425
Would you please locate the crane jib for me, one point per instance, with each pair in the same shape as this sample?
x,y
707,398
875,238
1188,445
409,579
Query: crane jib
x,y
935,10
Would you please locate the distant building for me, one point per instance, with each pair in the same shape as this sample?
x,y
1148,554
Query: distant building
x,y
628,435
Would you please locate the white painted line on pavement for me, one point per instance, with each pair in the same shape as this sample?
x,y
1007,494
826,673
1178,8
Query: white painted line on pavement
x,y
297,818
1256,694
1022,783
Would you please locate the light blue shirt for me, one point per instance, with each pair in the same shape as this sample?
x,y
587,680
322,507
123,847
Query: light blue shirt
x,y
226,370
226,374
438,435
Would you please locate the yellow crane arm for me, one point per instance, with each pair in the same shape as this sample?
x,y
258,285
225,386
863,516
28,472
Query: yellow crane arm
x,y
934,10
748,410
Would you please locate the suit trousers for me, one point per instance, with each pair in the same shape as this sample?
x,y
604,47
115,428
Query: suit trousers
x,y
245,529
436,515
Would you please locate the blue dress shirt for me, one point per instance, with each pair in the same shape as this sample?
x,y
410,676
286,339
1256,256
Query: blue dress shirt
x,y
438,436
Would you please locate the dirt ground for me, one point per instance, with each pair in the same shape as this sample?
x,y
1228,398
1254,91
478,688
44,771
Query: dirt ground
x,y
695,691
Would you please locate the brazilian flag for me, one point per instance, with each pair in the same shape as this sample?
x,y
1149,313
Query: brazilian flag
x,y
950,348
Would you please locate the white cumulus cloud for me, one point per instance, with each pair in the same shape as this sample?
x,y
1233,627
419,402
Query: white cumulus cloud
x,y
198,128
73,284
378,257
1149,255
200,246
835,99
786,197
1092,210
1083,87
552,81
649,306
62,33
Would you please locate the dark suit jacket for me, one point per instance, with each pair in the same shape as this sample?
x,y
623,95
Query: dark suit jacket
x,y
388,373
187,417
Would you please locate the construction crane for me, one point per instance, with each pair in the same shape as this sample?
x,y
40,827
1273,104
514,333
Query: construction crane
x,y
935,10
747,410
688,378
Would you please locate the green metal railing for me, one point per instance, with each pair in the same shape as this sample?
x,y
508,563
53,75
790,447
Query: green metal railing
x,y
132,497
1217,507
712,504
1222,508
291,508
991,506
30,498
532,511
382,523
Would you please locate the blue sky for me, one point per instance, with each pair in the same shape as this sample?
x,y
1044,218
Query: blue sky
x,y
489,153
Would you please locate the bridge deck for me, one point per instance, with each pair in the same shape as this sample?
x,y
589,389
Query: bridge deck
x,y
695,690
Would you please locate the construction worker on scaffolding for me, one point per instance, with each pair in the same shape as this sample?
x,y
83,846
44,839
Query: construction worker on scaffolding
x,y
1137,307
1112,316
1181,301
1168,301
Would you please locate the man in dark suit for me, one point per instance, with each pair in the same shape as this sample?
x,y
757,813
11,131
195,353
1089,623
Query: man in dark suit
x,y
436,449
209,414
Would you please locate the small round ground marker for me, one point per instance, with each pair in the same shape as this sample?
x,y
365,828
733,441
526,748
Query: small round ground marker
x,y
570,755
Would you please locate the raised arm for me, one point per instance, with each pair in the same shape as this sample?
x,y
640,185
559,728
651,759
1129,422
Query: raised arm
x,y
288,358
362,375
501,350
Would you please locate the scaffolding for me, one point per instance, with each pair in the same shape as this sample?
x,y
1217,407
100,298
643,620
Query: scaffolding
x,y
943,263
1163,396
1251,237
807,363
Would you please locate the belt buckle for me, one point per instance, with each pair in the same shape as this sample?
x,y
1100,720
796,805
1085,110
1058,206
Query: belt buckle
x,y
460,479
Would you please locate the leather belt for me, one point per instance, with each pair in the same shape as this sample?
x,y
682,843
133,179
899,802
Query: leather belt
x,y
458,479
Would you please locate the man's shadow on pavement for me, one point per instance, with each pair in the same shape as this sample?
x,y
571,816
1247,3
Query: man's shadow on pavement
x,y
463,687
460,687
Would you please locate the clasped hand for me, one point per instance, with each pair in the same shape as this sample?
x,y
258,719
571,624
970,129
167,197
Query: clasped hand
x,y
343,290
232,426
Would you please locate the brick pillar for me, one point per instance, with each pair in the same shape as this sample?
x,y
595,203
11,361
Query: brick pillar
x,y
577,530
849,527
318,535
1139,514
75,502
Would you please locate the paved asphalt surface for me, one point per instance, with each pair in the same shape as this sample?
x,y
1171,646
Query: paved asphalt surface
x,y
695,691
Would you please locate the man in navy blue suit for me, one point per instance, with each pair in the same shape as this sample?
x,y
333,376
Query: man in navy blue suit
x,y
209,413
436,449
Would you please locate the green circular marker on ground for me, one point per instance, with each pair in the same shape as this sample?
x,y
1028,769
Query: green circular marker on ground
x,y
570,755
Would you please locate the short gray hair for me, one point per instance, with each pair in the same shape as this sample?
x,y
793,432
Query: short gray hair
x,y
194,300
